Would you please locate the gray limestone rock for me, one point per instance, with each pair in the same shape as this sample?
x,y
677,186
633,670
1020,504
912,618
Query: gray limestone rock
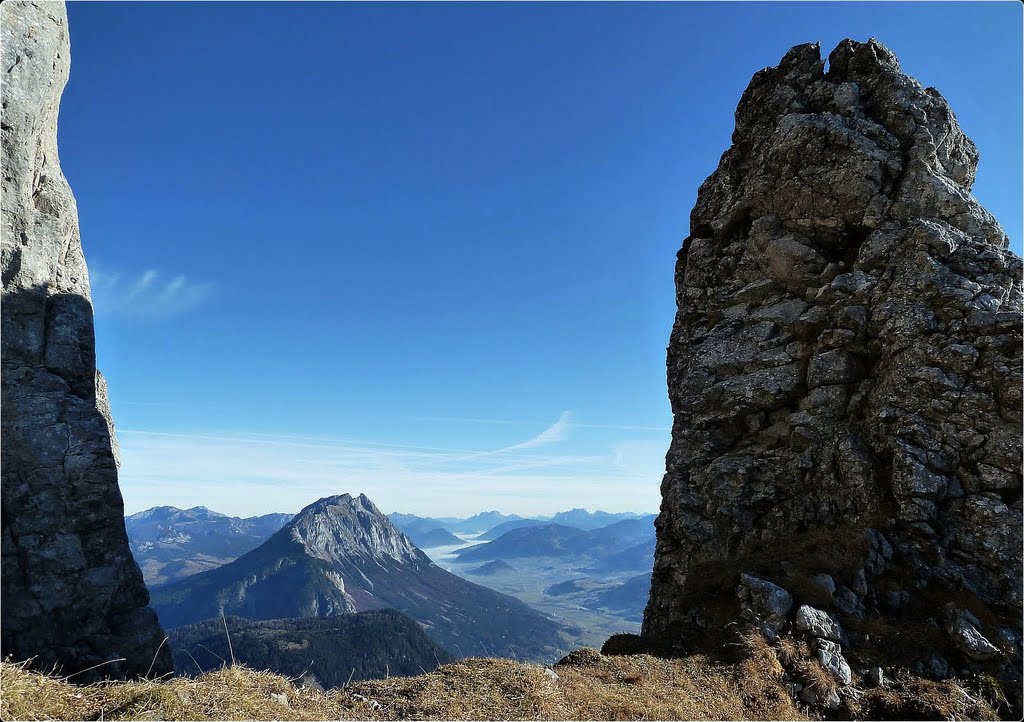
x,y
848,603
825,584
831,657
762,602
73,595
962,628
876,677
816,623
845,365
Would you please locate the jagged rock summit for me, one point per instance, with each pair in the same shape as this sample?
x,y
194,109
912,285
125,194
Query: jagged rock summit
x,y
845,374
341,555
72,594
338,529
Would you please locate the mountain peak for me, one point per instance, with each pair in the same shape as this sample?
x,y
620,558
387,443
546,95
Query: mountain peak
x,y
341,555
342,527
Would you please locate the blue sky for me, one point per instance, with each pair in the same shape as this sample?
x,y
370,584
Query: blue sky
x,y
425,251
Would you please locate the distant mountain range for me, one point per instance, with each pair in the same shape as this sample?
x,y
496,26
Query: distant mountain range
x,y
599,547
583,519
473,525
492,524
588,558
341,555
171,543
626,599
491,568
433,538
508,526
638,556
326,651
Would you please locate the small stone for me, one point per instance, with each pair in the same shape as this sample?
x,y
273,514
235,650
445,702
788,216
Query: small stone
x,y
860,584
876,677
961,628
897,598
831,657
825,583
551,674
829,701
1009,639
371,703
816,623
848,603
938,667
281,699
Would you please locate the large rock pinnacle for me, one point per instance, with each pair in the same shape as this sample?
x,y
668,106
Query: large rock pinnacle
x,y
73,595
845,364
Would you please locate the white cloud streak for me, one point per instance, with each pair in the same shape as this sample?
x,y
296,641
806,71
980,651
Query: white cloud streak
x,y
521,422
241,473
149,295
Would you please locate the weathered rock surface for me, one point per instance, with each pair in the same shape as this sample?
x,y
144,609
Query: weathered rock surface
x,y
831,657
845,365
817,623
763,603
72,594
962,627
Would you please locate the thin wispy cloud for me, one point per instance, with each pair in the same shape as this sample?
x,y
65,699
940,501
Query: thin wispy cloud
x,y
145,295
554,433
245,473
523,422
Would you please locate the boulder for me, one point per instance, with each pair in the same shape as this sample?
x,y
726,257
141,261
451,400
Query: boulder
x,y
831,657
818,624
763,602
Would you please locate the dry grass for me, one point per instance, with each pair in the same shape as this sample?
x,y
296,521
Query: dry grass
x,y
922,699
589,686
797,656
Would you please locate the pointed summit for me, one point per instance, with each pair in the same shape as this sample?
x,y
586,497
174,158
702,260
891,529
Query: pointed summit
x,y
339,528
341,555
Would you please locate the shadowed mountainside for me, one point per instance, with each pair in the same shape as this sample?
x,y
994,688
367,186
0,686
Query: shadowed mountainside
x,y
328,652
341,555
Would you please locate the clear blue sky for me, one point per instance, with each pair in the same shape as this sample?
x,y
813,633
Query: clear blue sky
x,y
425,251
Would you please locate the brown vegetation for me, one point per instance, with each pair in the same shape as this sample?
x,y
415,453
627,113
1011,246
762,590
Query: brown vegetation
x,y
589,686
585,685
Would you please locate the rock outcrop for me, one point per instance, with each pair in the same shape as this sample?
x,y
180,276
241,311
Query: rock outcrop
x,y
72,594
845,370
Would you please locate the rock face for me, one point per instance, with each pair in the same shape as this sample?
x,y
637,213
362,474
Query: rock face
x,y
845,365
72,594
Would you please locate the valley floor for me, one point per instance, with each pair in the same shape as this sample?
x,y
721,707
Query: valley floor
x,y
584,685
